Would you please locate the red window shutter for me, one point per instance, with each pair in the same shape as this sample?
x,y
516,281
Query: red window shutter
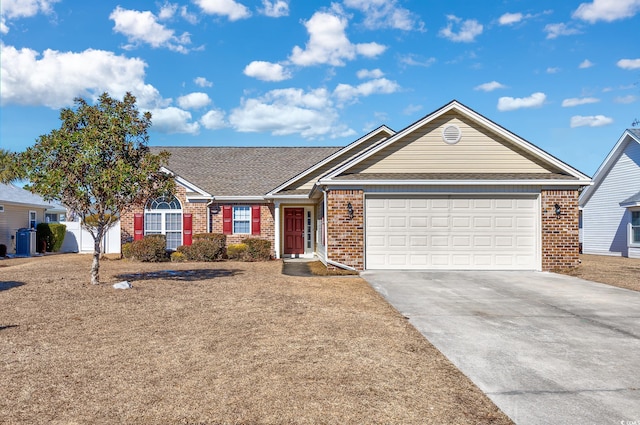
x,y
227,220
255,220
138,226
186,229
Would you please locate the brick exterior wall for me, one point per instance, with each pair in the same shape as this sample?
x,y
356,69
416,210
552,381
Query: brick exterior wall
x,y
345,243
267,224
560,234
197,209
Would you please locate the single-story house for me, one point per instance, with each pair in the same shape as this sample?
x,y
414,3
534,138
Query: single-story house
x,y
20,209
611,206
453,190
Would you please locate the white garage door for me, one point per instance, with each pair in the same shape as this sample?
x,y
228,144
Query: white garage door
x,y
452,232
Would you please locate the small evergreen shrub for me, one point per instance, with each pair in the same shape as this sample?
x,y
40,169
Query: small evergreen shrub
x,y
49,236
178,257
125,250
205,247
151,248
237,251
258,249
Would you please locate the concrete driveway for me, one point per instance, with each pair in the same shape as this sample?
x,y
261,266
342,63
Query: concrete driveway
x,y
546,348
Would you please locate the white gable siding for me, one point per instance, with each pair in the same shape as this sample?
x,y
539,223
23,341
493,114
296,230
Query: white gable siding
x,y
605,222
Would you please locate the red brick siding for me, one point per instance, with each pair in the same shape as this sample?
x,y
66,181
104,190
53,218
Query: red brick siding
x,y
267,226
345,243
560,234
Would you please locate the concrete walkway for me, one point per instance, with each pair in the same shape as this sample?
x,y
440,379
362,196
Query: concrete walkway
x,y
546,348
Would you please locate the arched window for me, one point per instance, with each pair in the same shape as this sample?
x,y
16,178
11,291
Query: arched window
x,y
163,216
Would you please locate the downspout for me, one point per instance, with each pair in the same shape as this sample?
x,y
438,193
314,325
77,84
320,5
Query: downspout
x,y
209,215
326,237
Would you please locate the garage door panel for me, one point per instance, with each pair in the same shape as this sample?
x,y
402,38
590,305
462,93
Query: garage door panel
x,y
454,232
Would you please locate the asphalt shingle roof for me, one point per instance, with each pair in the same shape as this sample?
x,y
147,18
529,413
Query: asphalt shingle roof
x,y
632,199
242,171
15,195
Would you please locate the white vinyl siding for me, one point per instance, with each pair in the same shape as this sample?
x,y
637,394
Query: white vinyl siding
x,y
424,151
463,232
604,222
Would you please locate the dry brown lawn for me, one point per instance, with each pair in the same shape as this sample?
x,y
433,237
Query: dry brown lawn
x,y
215,343
617,271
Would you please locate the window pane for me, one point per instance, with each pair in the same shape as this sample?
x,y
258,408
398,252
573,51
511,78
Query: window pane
x,y
174,240
152,223
173,221
635,235
241,213
241,227
635,218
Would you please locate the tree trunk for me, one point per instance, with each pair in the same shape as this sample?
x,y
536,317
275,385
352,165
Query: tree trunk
x,y
95,265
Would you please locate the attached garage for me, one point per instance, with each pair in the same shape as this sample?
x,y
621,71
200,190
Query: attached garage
x,y
452,232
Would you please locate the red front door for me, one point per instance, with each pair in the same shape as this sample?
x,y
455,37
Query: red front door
x,y
294,230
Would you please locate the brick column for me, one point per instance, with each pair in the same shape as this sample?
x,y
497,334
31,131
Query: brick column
x,y
345,242
560,234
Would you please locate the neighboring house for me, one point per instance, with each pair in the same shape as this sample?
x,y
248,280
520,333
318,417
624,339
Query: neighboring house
x,y
453,190
611,207
19,209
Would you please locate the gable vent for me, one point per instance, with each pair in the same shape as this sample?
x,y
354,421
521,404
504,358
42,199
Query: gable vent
x,y
451,134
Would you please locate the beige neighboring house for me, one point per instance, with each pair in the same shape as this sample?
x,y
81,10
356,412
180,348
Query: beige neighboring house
x,y
453,190
20,209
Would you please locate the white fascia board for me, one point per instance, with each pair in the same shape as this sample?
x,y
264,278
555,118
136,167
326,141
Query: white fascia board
x,y
332,157
239,198
630,204
474,116
328,182
606,165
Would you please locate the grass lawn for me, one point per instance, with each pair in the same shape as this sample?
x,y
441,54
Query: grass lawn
x,y
211,343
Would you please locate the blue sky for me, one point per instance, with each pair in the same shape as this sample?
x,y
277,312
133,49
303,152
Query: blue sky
x,y
562,75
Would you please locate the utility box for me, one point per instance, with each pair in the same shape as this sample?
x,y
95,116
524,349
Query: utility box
x,y
25,242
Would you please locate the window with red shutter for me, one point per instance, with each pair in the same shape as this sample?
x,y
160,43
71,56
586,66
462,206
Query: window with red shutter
x,y
227,219
255,220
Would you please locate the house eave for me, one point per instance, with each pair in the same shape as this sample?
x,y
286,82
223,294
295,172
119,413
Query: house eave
x,y
238,198
329,182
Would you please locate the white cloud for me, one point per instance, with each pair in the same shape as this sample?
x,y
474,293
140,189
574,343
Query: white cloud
x,y
629,63
607,10
229,8
510,18
275,9
366,73
143,27
626,99
213,120
173,120
412,109
290,111
586,64
468,31
346,93
386,14
536,100
576,101
590,121
266,71
188,16
413,60
556,30
553,70
202,82
55,78
491,86
167,11
328,43
194,100
14,9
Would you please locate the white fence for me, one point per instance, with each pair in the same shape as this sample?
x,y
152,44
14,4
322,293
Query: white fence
x,y
78,239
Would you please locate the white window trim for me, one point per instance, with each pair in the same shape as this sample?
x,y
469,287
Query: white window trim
x,y
632,243
233,219
163,222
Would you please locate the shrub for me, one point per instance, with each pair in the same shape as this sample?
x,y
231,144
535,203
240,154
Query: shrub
x,y
151,248
178,257
49,236
258,249
205,247
237,251
126,250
